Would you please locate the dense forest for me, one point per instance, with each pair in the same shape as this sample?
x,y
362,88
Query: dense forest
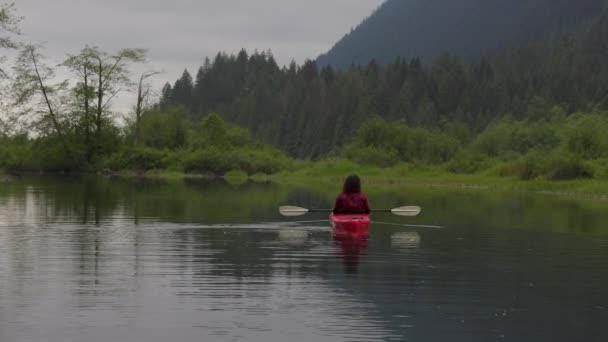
x,y
465,28
310,111
538,110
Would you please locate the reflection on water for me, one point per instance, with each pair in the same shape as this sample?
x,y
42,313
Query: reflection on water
x,y
405,240
293,236
351,250
98,259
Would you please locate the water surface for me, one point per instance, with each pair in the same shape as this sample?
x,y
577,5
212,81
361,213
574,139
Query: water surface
x,y
97,259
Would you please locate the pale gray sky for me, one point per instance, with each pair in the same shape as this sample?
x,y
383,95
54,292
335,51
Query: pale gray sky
x,y
181,33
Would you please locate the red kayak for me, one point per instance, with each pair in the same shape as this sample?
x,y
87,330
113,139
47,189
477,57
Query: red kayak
x,y
355,226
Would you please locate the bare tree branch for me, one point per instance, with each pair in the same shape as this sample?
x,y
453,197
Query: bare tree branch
x,y
143,91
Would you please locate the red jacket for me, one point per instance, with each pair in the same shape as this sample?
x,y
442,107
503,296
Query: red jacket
x,y
351,204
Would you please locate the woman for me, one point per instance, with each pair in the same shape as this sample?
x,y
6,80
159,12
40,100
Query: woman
x,y
351,200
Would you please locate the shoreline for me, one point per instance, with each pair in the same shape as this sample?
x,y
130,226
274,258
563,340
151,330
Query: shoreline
x,y
580,188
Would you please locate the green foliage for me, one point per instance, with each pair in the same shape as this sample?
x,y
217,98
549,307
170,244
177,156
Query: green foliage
x,y
210,160
508,137
218,161
235,174
468,162
585,135
458,131
211,131
550,147
600,168
555,166
108,141
16,153
136,158
540,109
164,129
566,167
19,153
254,161
382,143
370,155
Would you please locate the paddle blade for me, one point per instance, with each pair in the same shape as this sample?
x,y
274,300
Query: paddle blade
x,y
407,211
291,211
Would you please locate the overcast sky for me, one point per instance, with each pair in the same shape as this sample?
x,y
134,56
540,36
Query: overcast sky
x,y
181,33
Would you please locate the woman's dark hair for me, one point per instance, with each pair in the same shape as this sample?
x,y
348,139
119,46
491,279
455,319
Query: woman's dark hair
x,y
352,185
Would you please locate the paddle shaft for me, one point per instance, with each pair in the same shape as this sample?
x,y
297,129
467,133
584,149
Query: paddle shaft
x,y
331,210
298,211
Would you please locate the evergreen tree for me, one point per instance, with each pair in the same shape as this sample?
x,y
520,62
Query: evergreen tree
x,y
166,96
182,92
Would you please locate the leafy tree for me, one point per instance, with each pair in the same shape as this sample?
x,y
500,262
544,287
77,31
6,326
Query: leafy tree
x,y
9,27
111,74
212,131
41,101
84,91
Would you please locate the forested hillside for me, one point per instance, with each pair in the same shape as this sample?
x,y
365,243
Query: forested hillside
x,y
309,112
535,110
427,28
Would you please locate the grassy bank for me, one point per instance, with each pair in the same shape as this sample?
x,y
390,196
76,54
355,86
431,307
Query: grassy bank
x,y
331,173
327,176
324,175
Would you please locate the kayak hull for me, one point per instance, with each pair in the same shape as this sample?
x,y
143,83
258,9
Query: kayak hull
x,y
355,226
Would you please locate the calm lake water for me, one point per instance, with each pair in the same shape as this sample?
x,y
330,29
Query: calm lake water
x,y
97,259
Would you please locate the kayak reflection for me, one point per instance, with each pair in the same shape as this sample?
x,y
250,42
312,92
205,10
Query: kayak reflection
x,y
351,250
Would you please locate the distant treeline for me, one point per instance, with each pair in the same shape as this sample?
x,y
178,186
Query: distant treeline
x,y
309,112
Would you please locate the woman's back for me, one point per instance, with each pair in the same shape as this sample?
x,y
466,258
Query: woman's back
x,y
351,200
353,203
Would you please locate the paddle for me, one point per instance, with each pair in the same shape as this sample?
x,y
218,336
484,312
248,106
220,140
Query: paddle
x,y
292,211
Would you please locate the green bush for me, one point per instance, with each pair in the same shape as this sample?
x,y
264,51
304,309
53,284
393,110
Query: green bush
x,y
370,155
383,144
585,135
468,162
136,159
558,165
19,153
254,161
210,160
600,169
52,155
175,160
566,167
219,161
16,153
164,129
508,138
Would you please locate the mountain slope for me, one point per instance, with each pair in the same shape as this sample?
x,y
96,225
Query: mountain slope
x,y
427,28
309,111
